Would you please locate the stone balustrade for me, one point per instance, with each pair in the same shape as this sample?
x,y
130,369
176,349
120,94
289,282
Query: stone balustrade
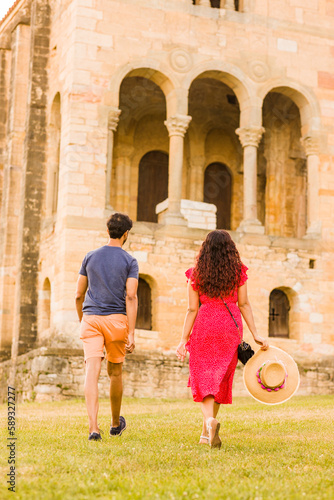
x,y
196,213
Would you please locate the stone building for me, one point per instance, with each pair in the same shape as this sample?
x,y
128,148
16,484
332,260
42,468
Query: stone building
x,y
187,115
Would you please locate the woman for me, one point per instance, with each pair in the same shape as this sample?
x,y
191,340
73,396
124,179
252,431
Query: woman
x,y
218,276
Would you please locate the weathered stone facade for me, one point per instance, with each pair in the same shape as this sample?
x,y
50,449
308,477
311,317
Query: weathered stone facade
x,y
90,88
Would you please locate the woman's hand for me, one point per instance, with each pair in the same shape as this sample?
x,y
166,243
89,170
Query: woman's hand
x,y
262,342
181,351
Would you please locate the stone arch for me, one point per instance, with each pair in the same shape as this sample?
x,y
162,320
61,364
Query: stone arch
x,y
140,130
152,70
233,77
283,166
304,99
54,138
215,112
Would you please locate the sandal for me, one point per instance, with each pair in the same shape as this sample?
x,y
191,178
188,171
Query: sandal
x,y
206,438
213,427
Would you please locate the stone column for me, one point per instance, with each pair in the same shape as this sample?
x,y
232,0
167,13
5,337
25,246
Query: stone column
x,y
311,145
246,6
12,155
229,5
123,176
5,56
250,138
205,3
113,119
177,126
196,178
33,183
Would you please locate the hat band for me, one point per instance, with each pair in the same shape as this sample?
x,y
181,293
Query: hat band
x,y
265,387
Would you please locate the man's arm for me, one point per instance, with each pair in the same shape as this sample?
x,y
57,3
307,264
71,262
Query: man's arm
x,y
131,310
82,285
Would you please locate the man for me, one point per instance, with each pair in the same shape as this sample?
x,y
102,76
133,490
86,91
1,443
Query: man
x,y
107,313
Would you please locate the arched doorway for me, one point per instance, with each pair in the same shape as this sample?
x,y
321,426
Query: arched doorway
x,y
218,191
152,184
140,130
279,307
282,161
144,315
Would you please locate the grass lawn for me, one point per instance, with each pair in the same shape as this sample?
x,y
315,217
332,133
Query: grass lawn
x,y
279,452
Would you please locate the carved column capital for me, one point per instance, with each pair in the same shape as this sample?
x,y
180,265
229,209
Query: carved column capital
x,y
311,144
113,119
178,125
250,136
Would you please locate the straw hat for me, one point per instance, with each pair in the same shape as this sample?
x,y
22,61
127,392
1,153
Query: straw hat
x,y
271,376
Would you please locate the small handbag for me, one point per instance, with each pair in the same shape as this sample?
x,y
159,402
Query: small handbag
x,y
245,352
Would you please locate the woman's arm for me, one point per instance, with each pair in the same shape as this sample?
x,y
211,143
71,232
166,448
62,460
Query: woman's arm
x,y
193,304
246,311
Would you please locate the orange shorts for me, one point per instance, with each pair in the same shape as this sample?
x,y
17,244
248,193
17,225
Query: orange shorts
x,y
111,332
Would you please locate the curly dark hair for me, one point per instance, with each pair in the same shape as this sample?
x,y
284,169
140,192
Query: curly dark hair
x,y
118,224
218,266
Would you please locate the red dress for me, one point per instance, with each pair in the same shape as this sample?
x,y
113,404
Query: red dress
x,y
213,346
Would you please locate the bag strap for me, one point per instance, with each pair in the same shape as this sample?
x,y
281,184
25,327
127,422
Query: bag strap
x,y
236,324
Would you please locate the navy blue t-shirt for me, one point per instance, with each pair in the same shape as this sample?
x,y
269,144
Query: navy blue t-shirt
x,y
107,270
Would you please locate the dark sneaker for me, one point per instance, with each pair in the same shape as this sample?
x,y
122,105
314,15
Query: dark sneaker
x,y
117,431
95,436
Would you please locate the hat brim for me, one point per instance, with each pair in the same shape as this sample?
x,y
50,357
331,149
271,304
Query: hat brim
x,y
254,388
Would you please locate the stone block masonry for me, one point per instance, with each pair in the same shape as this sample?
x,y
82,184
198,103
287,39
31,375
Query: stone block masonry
x,y
49,374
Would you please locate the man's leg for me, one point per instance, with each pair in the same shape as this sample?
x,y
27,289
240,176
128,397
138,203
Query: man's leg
x,y
116,391
93,369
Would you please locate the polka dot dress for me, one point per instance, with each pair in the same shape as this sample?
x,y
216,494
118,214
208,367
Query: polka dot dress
x,y
213,346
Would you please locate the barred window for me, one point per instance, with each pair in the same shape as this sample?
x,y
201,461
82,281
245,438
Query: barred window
x,y
144,316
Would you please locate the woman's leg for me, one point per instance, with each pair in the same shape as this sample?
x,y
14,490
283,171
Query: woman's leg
x,y
210,409
207,407
216,407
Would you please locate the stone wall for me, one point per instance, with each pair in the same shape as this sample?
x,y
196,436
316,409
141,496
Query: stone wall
x,y
46,374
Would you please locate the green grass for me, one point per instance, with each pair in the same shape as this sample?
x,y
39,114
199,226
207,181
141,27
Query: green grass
x,y
279,452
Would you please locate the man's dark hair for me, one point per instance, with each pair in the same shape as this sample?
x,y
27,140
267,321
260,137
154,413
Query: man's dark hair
x,y
118,224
